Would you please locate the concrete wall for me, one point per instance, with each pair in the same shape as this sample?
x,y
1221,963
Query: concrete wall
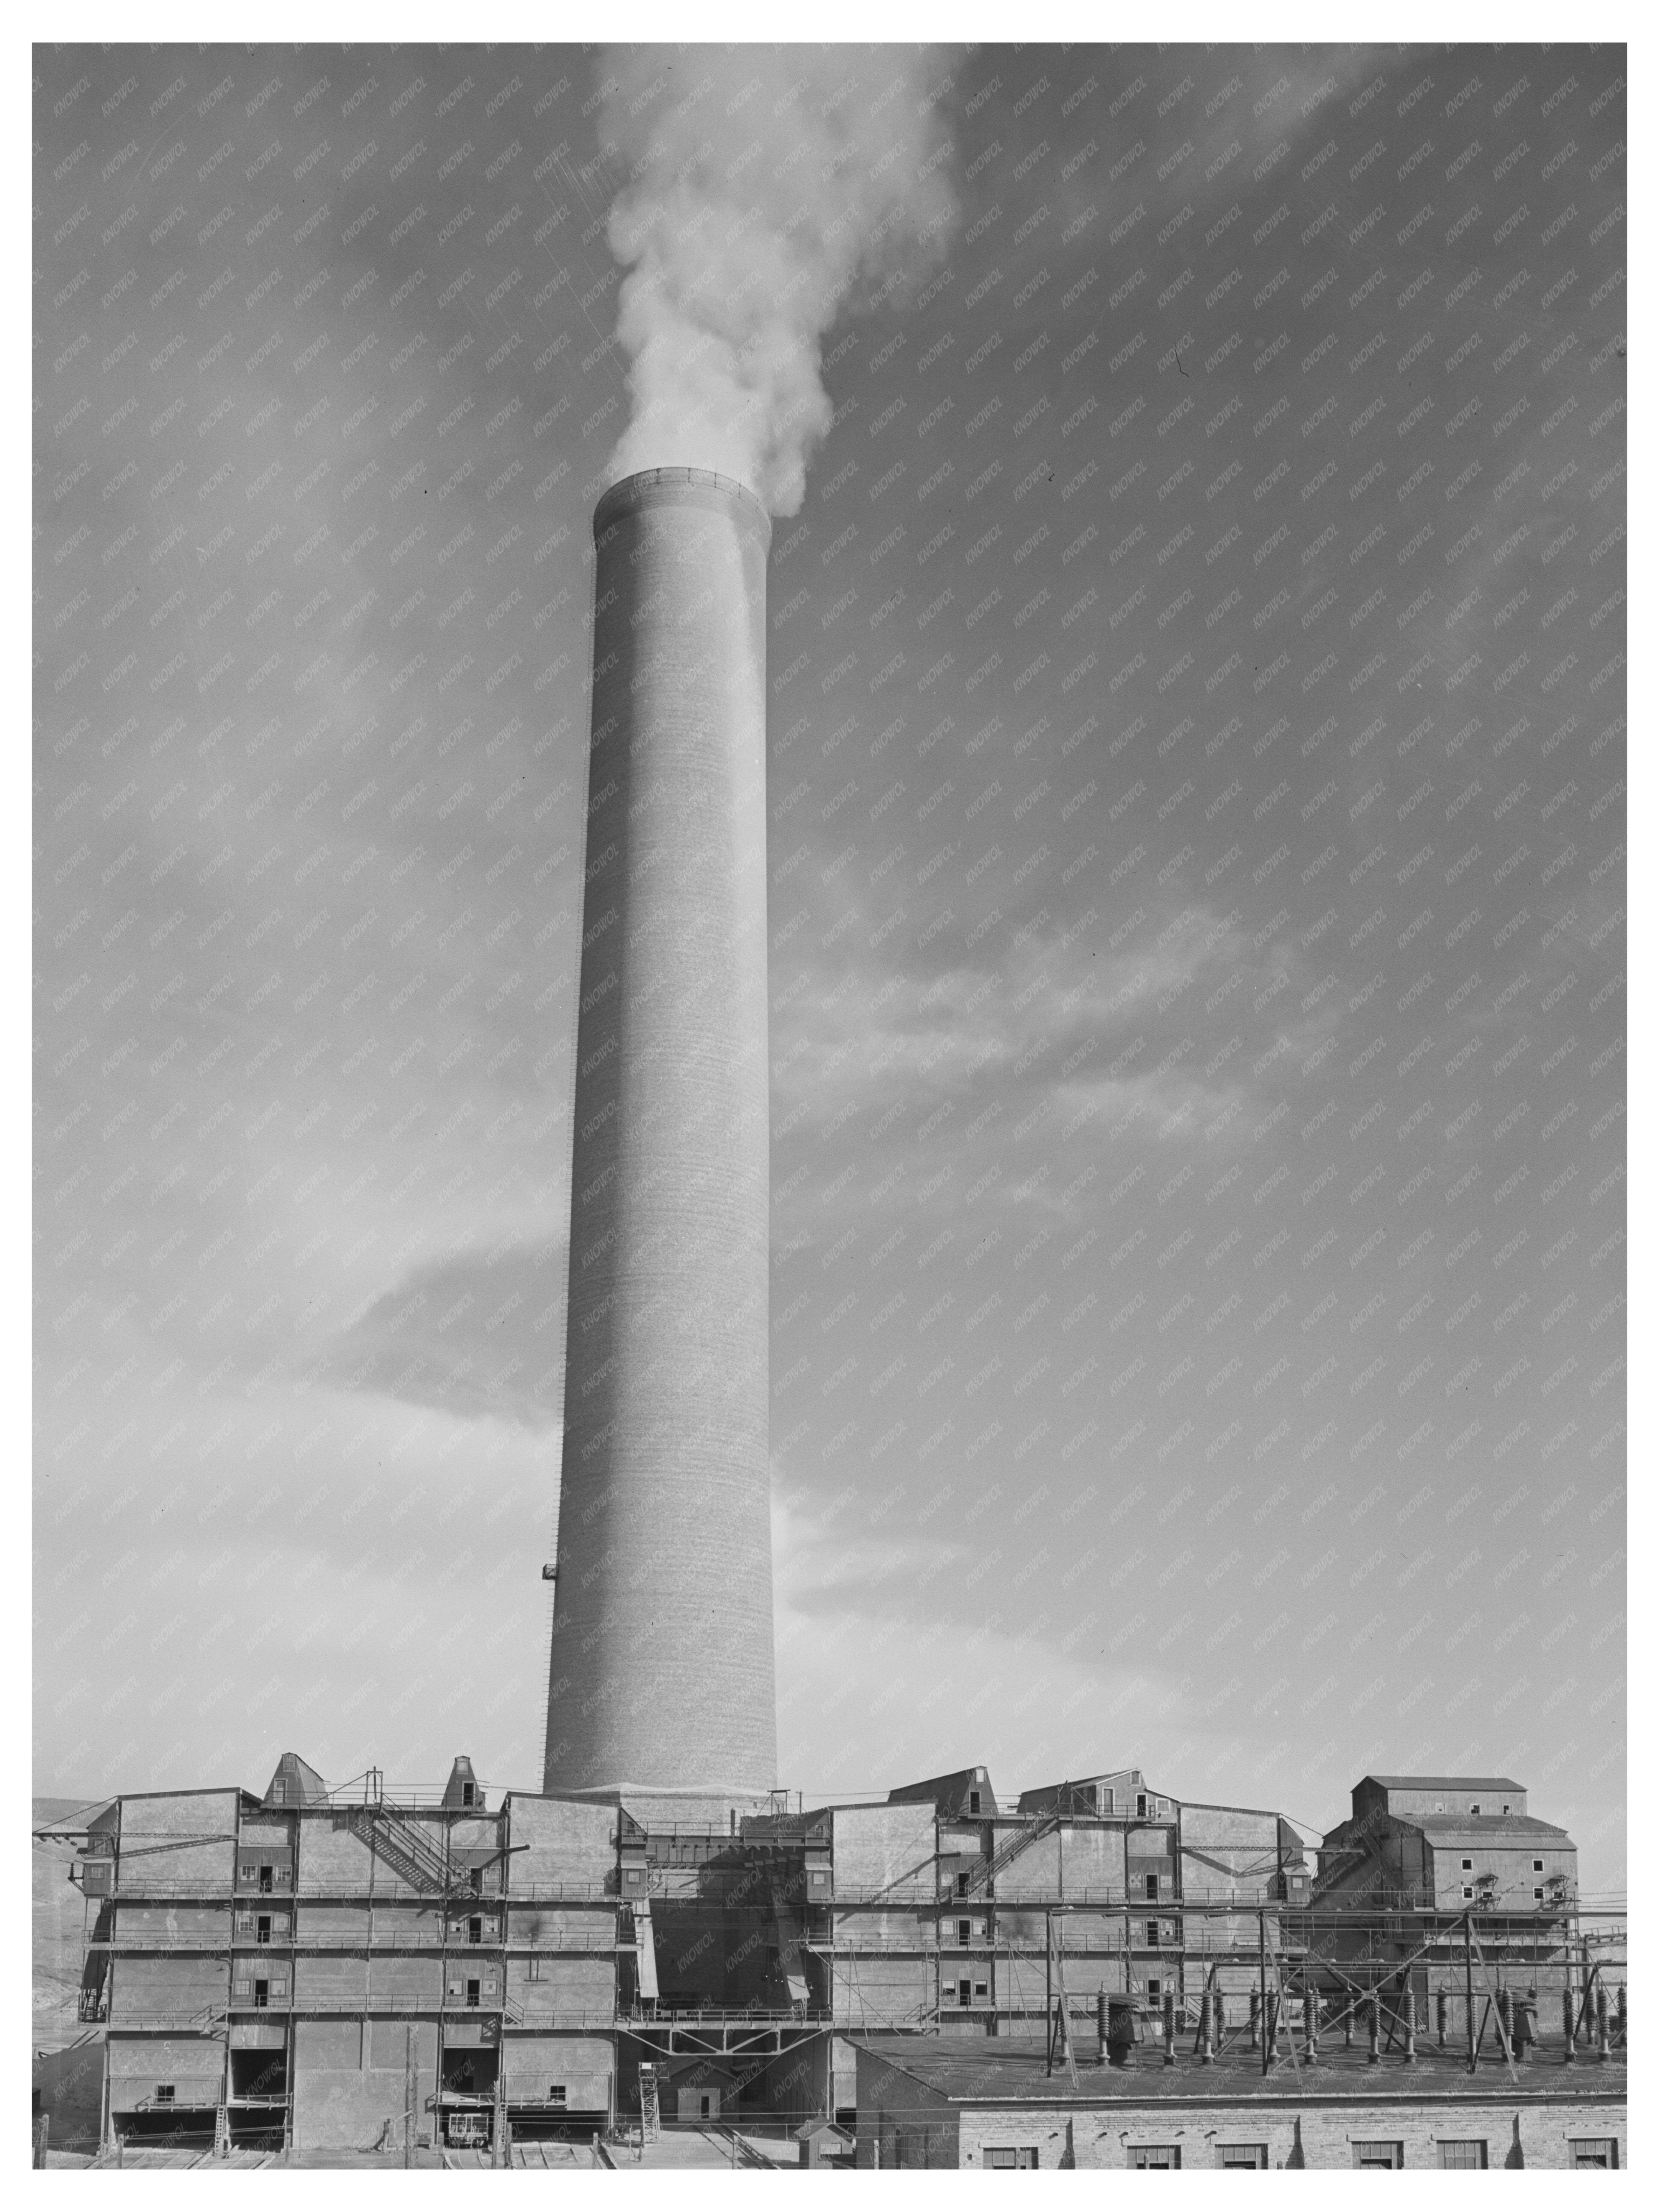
x,y
580,2063
349,2081
169,1989
885,1847
195,2064
147,1821
561,1843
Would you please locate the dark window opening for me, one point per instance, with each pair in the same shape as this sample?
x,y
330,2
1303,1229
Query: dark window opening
x,y
1140,1806
973,1801
475,1928
1155,1989
964,1992
1012,2158
256,2074
267,1880
472,1992
1152,1885
1151,1933
1538,1866
262,1930
963,1880
477,1881
1243,2158
556,2095
1476,1810
262,1993
1156,2158
965,1931
466,1793
166,2092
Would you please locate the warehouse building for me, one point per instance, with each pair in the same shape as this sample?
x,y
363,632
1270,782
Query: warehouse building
x,y
944,2106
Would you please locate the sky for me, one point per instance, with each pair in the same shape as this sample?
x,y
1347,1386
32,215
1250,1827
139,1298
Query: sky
x,y
1197,914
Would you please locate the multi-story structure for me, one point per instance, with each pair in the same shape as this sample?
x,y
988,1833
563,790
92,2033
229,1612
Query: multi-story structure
x,y
1430,1870
342,1968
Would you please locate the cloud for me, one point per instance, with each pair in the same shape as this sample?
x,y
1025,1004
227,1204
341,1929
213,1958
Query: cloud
x,y
472,1333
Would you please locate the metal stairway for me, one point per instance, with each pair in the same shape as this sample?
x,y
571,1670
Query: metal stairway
x,y
980,1881
405,1848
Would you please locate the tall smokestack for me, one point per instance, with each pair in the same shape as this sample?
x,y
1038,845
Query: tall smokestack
x,y
662,1663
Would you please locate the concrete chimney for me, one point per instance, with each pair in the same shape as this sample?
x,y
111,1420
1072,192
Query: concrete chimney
x,y
662,1668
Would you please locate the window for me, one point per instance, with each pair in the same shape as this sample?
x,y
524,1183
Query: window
x,y
472,1991
1155,1989
279,1986
1465,2152
242,1989
964,1992
556,2095
1595,2151
166,2092
1156,2158
1151,1933
1538,1897
981,1992
1152,1885
1468,1866
466,1793
1379,2156
248,1870
973,1801
1467,1892
475,1928
1002,2158
279,1792
533,1970
1108,1799
1506,1808
1538,1866
1476,1810
1242,2157
964,1931
476,1881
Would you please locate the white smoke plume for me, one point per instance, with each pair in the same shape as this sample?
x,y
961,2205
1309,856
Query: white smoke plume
x,y
764,185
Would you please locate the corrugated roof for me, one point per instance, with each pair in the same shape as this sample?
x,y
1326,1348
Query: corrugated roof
x,y
1458,1781
1004,2071
1491,1827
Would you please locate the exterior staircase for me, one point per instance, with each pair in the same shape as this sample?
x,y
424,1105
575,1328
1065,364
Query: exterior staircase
x,y
980,1881
406,1848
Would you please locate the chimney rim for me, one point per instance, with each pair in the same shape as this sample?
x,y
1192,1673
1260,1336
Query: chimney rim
x,y
630,493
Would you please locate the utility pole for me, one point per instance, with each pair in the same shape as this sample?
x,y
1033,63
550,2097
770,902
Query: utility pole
x,y
1262,1964
1048,1985
1468,1990
409,2095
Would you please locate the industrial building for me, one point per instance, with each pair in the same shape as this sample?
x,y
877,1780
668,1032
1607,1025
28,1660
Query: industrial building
x,y
355,1969
940,2106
